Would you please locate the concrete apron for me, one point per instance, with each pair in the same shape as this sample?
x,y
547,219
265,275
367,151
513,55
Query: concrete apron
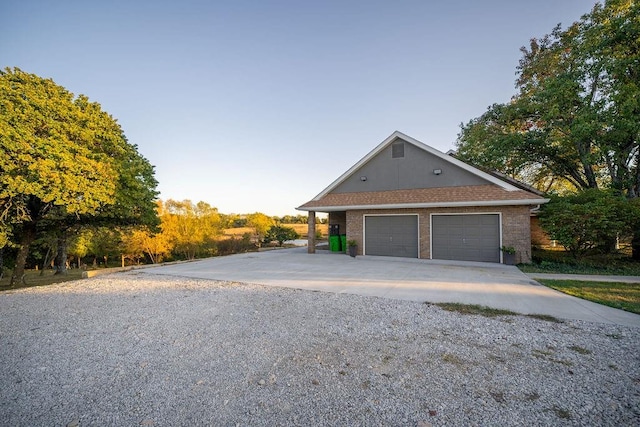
x,y
491,285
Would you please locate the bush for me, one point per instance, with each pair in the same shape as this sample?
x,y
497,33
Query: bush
x,y
235,246
558,261
587,220
280,234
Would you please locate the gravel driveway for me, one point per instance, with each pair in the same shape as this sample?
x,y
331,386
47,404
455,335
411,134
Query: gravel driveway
x,y
137,349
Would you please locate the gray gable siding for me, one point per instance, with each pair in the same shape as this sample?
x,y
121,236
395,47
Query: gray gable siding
x,y
414,170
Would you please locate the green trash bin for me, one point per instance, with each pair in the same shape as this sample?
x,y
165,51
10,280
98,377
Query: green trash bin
x,y
334,243
343,243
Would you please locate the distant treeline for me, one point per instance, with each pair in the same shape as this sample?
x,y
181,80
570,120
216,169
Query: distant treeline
x,y
239,221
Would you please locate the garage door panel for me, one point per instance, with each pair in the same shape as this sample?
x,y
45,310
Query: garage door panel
x,y
475,233
393,235
489,220
466,237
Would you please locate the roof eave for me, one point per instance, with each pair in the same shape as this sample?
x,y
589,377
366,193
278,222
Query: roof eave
x,y
518,202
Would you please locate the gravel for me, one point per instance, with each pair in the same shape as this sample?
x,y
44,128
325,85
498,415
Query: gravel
x,y
135,349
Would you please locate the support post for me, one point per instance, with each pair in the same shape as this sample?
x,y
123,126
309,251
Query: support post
x,y
311,233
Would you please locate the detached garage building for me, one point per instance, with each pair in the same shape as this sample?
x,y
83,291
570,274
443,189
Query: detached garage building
x,y
407,199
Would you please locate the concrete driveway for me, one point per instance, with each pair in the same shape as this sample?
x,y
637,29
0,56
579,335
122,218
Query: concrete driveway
x,y
492,285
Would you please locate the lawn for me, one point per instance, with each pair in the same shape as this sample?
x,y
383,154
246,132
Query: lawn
x,y
34,278
625,296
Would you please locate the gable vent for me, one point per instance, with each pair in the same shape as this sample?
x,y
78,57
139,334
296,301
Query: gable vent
x,y
397,150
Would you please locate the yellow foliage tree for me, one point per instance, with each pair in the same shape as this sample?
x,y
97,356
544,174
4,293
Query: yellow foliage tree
x,y
261,224
189,227
140,241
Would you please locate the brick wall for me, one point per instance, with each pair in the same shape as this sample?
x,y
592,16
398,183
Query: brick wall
x,y
539,237
516,229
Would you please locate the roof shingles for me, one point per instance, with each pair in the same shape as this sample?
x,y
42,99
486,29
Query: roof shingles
x,y
441,195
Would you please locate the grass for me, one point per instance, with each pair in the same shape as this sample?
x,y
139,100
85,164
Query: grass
x,y
302,229
452,359
562,413
474,309
545,317
625,296
481,310
579,349
238,231
33,278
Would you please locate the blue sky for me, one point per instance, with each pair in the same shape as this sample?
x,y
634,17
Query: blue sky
x,y
259,105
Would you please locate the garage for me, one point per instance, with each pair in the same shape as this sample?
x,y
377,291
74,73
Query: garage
x,y
473,237
391,235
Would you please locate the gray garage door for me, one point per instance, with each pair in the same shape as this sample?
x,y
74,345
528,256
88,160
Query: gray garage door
x,y
395,235
466,237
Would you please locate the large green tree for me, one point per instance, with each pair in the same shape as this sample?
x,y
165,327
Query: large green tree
x,y
576,117
574,123
63,162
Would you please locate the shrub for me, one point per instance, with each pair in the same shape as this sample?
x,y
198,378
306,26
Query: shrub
x,y
235,246
587,220
280,234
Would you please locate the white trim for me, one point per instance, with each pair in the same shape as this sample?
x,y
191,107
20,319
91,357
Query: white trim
x,y
431,215
518,202
364,229
425,147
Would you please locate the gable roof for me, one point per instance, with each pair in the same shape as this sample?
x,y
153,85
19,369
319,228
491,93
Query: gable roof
x,y
399,135
495,193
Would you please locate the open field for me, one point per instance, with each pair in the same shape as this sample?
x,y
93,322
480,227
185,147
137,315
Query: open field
x,y
301,229
238,231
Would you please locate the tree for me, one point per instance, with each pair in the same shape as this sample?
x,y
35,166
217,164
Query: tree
x,y
291,219
574,118
573,125
79,244
190,227
63,161
104,242
260,224
138,241
280,234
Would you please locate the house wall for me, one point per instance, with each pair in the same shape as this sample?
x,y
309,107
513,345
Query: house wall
x,y
414,170
516,230
539,237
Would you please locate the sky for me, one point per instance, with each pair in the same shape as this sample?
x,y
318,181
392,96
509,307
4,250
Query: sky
x,y
257,106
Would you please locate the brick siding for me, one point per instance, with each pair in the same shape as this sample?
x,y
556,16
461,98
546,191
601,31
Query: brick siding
x,y
516,228
539,237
